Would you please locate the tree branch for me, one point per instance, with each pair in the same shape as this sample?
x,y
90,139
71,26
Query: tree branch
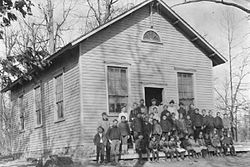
x,y
216,1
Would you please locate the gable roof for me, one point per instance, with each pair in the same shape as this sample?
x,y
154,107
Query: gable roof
x,y
171,15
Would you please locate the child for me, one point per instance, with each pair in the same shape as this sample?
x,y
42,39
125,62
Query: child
x,y
189,125
187,145
166,126
100,141
173,148
123,113
137,126
164,146
154,146
195,146
227,144
141,147
157,131
134,112
125,133
181,151
151,118
202,144
208,144
156,114
216,144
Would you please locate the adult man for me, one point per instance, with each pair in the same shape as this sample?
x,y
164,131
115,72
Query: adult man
x,y
114,137
218,123
210,122
197,123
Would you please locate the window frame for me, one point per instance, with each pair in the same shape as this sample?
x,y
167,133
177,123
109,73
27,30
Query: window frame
x,y
41,108
118,65
21,110
56,119
151,41
188,71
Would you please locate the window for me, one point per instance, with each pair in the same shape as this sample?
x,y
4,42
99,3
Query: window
x,y
117,88
21,112
38,105
59,96
185,88
151,36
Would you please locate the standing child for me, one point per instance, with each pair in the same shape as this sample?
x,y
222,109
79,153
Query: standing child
x,y
125,133
100,141
166,125
157,131
141,147
137,126
189,125
154,146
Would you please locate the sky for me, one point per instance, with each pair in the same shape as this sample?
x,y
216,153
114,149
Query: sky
x,y
206,18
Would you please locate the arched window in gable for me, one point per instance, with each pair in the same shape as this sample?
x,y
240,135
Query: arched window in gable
x,y
151,36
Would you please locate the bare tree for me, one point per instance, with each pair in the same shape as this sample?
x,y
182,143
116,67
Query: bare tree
x,y
101,11
232,96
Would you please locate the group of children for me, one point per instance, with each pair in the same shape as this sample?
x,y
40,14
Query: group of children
x,y
163,129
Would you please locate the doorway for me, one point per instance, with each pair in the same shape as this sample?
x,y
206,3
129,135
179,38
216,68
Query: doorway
x,y
150,93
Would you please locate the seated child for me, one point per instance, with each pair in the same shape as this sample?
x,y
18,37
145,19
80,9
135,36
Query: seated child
x,y
187,145
164,146
141,147
216,144
125,134
100,141
173,148
197,149
154,146
202,145
208,143
181,151
227,145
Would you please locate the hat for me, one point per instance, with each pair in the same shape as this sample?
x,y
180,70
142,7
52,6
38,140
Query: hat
x,y
100,127
104,113
172,101
154,99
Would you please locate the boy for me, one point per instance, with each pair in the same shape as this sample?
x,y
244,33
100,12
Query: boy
x,y
125,133
154,146
141,147
100,141
227,144
137,126
166,125
182,110
114,137
105,124
164,146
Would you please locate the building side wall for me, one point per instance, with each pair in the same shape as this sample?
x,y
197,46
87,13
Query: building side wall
x,y
52,136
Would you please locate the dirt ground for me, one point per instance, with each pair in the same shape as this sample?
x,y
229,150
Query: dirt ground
x,y
241,160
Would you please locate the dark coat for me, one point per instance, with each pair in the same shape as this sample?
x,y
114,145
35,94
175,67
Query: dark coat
x,y
205,120
166,125
197,120
133,114
141,145
124,128
137,125
114,133
164,113
97,139
218,122
191,113
182,111
147,129
210,122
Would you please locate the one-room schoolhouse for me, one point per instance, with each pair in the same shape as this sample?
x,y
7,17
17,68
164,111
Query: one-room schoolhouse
x,y
147,52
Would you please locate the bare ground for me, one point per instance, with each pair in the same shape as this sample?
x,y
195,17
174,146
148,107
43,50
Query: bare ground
x,y
241,160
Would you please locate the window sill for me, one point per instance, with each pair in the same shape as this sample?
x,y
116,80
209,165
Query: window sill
x,y
154,42
21,131
39,126
59,120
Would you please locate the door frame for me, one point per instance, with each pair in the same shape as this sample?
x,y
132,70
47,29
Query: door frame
x,y
160,86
